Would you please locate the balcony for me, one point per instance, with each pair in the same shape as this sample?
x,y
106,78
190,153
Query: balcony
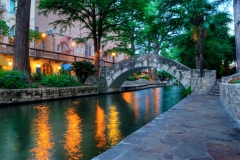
x,y
2,7
7,49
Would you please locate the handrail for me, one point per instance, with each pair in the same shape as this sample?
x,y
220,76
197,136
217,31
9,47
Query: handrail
x,y
7,49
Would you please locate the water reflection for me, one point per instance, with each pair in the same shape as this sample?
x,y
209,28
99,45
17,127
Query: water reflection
x,y
73,135
156,98
147,109
132,99
100,128
114,134
43,134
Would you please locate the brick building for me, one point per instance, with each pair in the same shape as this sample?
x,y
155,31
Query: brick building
x,y
57,47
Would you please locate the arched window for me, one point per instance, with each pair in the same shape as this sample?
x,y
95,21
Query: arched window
x,y
12,31
12,6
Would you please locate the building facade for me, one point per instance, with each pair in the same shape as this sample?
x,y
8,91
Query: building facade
x,y
56,48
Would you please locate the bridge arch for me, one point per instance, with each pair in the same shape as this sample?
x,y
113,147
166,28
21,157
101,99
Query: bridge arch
x,y
117,73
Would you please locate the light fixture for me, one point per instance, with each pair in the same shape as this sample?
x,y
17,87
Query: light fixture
x,y
38,65
43,35
113,54
10,63
73,43
59,67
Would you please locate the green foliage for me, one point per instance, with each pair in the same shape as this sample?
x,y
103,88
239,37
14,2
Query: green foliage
x,y
62,71
83,69
235,81
59,81
37,77
162,74
35,36
145,77
4,29
187,92
13,79
132,78
33,85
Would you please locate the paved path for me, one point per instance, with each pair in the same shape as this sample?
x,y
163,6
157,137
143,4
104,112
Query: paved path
x,y
197,128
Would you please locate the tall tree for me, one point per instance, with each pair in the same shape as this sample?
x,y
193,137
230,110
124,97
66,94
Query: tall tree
x,y
236,8
98,16
21,42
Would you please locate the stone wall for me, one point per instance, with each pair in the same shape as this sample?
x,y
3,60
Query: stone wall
x,y
38,94
228,78
230,97
203,85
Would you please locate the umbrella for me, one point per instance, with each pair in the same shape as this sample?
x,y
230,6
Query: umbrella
x,y
67,67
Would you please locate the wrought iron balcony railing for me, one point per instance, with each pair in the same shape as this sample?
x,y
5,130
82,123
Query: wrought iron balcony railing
x,y
7,49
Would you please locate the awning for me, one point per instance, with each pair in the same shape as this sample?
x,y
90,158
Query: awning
x,y
3,61
67,67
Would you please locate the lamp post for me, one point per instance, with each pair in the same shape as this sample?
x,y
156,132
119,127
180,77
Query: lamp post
x,y
43,36
113,55
73,44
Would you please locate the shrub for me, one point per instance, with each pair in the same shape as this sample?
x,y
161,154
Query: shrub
x,y
59,81
187,91
235,81
145,77
33,85
131,78
13,79
37,77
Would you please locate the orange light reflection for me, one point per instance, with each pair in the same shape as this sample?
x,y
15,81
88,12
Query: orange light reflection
x,y
42,134
114,134
156,101
73,135
100,128
130,97
147,110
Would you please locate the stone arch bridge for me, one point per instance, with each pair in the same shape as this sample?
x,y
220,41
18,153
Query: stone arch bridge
x,y
117,73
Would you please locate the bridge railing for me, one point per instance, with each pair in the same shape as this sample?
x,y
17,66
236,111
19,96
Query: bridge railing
x,y
7,49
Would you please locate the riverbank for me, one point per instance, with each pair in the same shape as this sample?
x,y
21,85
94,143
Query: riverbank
x,y
198,127
16,96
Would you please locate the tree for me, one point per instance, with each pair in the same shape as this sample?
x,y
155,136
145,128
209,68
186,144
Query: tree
x,y
236,8
218,47
83,69
35,36
4,29
97,16
21,42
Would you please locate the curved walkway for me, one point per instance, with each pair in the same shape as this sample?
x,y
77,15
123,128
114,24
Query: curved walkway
x,y
197,128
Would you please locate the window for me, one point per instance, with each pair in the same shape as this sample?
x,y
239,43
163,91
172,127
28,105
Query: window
x,y
87,50
59,48
12,31
77,49
36,29
81,50
92,53
12,6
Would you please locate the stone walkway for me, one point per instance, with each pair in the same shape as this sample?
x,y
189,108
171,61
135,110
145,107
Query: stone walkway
x,y
197,128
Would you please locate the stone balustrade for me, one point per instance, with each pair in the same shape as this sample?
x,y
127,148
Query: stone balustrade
x,y
230,97
203,85
38,94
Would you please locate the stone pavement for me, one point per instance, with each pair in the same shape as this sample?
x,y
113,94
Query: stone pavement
x,y
197,128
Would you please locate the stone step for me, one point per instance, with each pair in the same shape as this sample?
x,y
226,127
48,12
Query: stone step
x,y
214,94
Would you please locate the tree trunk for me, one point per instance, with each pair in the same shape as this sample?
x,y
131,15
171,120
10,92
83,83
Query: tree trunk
x,y
200,21
156,51
236,8
21,43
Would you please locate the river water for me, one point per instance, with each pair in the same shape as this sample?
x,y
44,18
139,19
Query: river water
x,y
79,128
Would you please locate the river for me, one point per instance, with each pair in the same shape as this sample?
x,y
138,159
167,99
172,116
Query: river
x,y
79,128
